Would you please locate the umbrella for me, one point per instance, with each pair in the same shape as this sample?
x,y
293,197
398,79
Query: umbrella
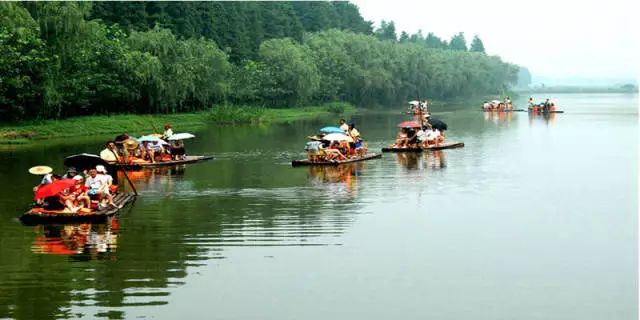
x,y
84,161
148,138
53,188
409,124
438,124
331,130
414,102
181,136
337,137
40,170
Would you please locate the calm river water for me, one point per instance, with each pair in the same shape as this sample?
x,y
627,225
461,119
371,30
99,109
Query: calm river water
x,y
535,218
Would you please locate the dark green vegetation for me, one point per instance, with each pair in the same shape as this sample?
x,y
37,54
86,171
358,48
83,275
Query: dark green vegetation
x,y
65,59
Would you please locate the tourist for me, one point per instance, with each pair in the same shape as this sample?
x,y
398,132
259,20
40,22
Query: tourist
x,y
71,173
401,138
343,125
98,186
121,148
176,148
315,150
79,191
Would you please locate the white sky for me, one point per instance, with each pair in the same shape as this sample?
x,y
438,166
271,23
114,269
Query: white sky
x,y
587,39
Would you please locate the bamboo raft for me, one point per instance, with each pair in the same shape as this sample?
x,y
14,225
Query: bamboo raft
x,y
35,216
445,145
507,110
186,160
306,162
545,112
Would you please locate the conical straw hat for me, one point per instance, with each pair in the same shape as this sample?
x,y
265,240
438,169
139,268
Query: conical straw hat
x,y
130,144
40,170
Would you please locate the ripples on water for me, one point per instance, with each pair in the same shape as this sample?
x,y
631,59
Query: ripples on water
x,y
187,219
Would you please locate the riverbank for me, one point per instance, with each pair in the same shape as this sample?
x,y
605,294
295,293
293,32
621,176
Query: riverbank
x,y
134,124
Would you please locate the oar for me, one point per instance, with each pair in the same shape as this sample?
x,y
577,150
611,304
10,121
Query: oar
x,y
125,173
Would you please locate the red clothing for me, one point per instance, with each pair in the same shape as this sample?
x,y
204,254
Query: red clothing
x,y
78,189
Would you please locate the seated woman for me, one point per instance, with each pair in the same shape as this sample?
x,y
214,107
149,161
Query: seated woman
x,y
315,150
176,148
412,138
345,148
360,147
333,154
68,200
401,139
79,191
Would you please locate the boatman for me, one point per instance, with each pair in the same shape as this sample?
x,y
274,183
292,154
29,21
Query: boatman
x,y
109,153
343,125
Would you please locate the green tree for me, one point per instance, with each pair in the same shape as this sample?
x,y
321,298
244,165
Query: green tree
x,y
22,63
289,76
458,42
387,31
477,45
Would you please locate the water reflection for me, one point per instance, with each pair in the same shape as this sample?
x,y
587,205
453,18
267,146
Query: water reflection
x,y
546,118
498,117
421,161
84,241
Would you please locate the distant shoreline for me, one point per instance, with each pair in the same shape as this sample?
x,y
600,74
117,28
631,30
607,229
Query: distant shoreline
x,y
577,89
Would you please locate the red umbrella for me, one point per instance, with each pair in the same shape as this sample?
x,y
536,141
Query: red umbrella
x,y
409,124
53,188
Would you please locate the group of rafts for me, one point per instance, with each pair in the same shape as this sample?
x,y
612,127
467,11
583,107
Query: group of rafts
x,y
545,107
89,188
334,145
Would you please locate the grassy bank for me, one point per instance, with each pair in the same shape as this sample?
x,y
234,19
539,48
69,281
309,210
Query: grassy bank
x,y
27,132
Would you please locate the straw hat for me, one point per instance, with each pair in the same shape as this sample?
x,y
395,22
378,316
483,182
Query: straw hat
x,y
40,170
130,143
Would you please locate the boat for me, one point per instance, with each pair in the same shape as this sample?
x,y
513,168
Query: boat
x,y
545,112
441,146
40,215
507,110
306,162
147,164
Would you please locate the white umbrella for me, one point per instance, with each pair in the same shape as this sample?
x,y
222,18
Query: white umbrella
x,y
181,136
337,137
414,102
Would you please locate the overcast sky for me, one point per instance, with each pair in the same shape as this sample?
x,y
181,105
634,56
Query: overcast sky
x,y
553,38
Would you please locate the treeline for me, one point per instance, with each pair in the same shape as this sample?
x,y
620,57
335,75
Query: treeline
x,y
56,61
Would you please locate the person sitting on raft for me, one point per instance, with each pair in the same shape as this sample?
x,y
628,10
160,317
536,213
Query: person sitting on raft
x,y
152,151
176,149
333,152
401,139
99,186
315,150
79,191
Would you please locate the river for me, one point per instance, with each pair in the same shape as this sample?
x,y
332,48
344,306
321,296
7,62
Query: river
x,y
535,218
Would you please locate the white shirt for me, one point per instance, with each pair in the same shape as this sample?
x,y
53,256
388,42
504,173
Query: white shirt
x,y
344,127
433,134
46,179
421,135
94,183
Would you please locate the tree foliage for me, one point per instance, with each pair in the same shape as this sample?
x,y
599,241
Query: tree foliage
x,y
477,45
61,59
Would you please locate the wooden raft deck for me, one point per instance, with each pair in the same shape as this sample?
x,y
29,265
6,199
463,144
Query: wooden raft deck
x,y
35,217
187,160
306,162
445,145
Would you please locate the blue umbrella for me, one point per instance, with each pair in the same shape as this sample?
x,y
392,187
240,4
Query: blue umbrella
x,y
331,130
